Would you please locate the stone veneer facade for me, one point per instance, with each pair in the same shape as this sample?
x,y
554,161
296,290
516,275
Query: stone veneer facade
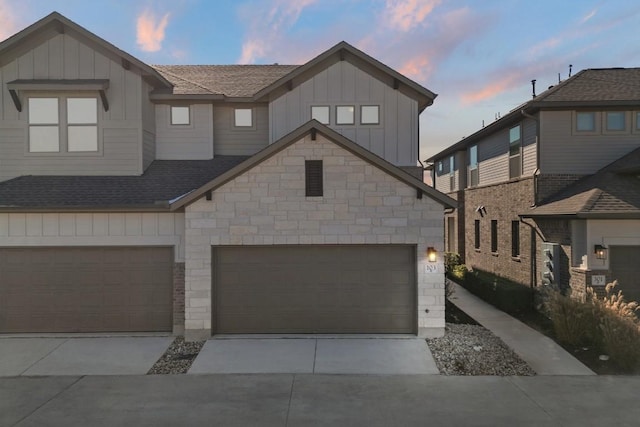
x,y
266,205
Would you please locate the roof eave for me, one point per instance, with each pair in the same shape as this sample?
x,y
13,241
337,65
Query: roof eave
x,y
157,207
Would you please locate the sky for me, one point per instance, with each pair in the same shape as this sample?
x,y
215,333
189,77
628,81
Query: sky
x,y
479,56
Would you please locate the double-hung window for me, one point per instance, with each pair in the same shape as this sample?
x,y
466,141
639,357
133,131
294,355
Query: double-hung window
x,y
473,166
515,148
63,124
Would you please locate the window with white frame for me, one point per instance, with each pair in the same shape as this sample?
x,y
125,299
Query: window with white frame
x,y
615,120
243,117
345,114
473,166
180,115
320,113
370,114
515,148
63,124
586,121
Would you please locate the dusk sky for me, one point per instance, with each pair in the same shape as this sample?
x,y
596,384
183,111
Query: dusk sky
x,y
479,56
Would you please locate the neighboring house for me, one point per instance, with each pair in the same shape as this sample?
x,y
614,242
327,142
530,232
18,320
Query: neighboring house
x,y
550,193
211,199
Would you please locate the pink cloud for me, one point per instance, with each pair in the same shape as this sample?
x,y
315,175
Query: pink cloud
x,y
8,25
150,31
417,68
268,27
404,15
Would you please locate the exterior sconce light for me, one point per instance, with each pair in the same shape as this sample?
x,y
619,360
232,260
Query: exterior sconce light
x,y
600,251
432,254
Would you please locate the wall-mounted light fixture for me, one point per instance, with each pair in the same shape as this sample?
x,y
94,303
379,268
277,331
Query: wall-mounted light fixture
x,y
600,251
432,254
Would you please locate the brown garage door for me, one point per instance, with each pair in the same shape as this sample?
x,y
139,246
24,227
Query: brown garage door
x,y
625,267
314,289
116,289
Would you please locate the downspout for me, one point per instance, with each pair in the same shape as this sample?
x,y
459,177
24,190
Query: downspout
x,y
534,254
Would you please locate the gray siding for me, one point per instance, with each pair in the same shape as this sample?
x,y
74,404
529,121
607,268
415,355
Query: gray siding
x,y
529,147
232,141
493,158
395,138
564,152
93,229
185,142
148,127
120,132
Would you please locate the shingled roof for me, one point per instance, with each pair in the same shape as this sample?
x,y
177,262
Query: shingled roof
x,y
227,80
164,181
612,192
592,87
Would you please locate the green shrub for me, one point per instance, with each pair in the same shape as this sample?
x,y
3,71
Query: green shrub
x,y
574,322
505,294
451,261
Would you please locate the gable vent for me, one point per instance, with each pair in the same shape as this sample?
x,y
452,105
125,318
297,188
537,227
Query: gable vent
x,y
313,178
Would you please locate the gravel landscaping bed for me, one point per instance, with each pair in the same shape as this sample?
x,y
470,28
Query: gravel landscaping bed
x,y
178,357
473,350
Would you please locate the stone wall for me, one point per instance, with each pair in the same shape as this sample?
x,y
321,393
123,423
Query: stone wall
x,y
266,205
178,298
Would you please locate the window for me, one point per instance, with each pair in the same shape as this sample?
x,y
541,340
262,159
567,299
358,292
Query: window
x,y
616,121
515,167
585,121
473,166
313,178
452,177
439,167
515,239
320,113
638,121
476,236
44,132
494,235
243,117
370,115
345,115
180,116
80,130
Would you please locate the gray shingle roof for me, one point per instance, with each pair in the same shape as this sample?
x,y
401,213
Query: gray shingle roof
x,y
228,80
163,181
614,190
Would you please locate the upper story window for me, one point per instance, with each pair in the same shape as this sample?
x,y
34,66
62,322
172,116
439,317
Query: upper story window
x,y
515,146
616,121
440,167
370,114
473,166
63,124
320,113
180,115
243,117
345,114
638,120
586,121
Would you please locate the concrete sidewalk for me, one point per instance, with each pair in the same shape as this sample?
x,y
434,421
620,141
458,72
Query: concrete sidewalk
x,y
315,400
541,353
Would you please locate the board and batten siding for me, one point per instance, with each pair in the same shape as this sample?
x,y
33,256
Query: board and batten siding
x,y
93,229
185,142
562,151
235,141
120,128
396,137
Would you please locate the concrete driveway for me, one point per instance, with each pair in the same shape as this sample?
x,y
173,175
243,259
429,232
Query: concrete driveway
x,y
315,355
80,356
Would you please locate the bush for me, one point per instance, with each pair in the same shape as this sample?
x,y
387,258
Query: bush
x,y
451,261
574,322
505,294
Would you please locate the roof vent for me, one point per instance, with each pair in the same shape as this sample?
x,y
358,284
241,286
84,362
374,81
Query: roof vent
x,y
533,87
570,66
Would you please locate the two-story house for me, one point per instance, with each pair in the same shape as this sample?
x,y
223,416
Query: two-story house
x,y
206,199
550,193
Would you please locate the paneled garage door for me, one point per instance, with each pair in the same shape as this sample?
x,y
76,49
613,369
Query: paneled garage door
x,y
625,267
115,289
314,289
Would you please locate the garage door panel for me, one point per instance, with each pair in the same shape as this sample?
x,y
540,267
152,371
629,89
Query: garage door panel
x,y
314,289
625,267
89,289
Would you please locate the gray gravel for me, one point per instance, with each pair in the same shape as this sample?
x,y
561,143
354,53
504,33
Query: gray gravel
x,y
474,350
178,357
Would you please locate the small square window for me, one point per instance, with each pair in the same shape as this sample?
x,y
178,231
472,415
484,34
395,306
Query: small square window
x,y
180,115
586,121
320,113
345,115
370,114
616,120
313,178
243,117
